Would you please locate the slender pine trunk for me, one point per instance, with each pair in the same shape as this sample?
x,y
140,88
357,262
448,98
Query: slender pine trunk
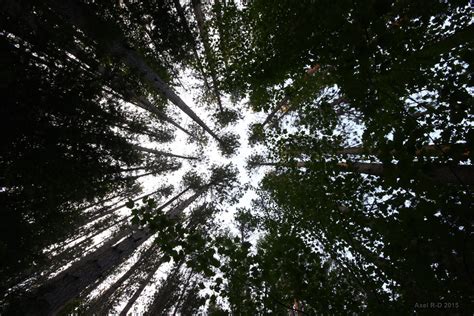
x,y
458,174
112,40
52,296
167,293
461,151
199,15
103,303
172,214
183,19
162,153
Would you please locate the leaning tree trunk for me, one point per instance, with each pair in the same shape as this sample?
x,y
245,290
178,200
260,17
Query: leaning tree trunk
x,y
166,295
183,19
207,48
461,151
29,279
154,172
127,94
285,101
51,297
102,202
172,214
143,283
437,173
103,212
103,303
182,294
162,153
143,103
111,39
460,174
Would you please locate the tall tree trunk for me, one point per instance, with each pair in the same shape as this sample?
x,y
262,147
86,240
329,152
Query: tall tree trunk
x,y
335,103
162,153
166,295
144,174
459,174
51,297
103,303
199,15
79,15
182,293
125,125
102,202
95,231
461,151
284,103
110,38
177,211
77,52
82,230
127,94
140,289
39,274
172,214
177,196
143,103
77,251
103,212
182,17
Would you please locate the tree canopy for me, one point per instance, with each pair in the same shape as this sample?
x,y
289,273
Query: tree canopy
x,y
236,157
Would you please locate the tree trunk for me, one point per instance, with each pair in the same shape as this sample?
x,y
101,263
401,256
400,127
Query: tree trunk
x,y
461,151
336,102
278,107
199,15
77,251
180,298
108,224
284,103
51,297
173,198
102,202
140,289
172,214
182,16
166,295
109,35
30,278
144,130
162,153
460,174
127,94
146,105
102,304
100,214
143,175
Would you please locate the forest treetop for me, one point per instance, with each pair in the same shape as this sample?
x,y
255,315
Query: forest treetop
x,y
363,135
